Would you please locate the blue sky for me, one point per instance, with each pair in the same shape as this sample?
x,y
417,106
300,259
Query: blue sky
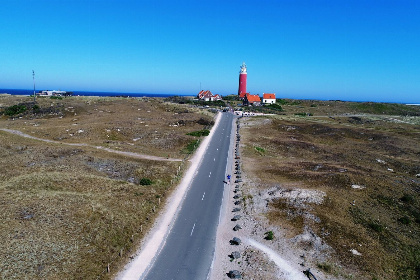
x,y
349,50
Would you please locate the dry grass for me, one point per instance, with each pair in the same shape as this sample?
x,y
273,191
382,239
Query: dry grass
x,y
68,212
330,152
142,125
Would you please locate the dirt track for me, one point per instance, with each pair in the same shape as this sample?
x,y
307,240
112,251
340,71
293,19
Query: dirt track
x,y
129,154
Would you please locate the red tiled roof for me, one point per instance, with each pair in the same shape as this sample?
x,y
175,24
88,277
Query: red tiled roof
x,y
269,96
208,95
253,98
203,93
217,97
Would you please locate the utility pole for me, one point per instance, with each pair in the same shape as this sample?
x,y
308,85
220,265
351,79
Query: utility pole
x,y
33,77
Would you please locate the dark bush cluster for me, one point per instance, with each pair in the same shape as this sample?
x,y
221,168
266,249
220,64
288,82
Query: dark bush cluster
x,y
145,182
269,235
15,110
204,121
199,133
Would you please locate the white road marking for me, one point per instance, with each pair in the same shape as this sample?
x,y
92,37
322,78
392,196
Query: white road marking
x,y
203,196
209,174
192,230
214,159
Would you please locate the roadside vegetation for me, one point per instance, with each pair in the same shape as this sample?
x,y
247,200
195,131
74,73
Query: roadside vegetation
x,y
199,133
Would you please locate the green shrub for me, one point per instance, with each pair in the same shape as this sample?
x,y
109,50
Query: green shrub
x,y
404,220
416,215
260,150
192,146
199,133
269,235
15,110
376,226
276,107
407,198
282,101
36,109
145,181
56,97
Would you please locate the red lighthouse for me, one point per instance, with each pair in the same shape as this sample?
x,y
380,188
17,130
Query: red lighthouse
x,y
242,81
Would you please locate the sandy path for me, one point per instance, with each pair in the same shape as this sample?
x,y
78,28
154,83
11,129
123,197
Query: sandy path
x,y
128,154
155,239
288,272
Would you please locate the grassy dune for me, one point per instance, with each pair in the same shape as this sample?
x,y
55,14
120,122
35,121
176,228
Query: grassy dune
x,y
365,158
70,212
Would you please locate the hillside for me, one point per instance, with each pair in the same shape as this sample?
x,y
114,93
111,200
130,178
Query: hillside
x,y
72,206
339,182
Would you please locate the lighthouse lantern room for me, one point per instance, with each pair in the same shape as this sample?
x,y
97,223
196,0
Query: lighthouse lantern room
x,y
242,81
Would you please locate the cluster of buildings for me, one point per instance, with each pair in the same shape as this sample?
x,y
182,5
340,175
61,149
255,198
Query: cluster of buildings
x,y
52,93
247,98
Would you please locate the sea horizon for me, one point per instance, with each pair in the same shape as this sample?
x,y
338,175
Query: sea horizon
x,y
165,95
94,93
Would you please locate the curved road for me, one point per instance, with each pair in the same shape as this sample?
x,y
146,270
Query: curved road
x,y
189,247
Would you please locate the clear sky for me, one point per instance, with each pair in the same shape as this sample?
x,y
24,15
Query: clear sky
x,y
350,50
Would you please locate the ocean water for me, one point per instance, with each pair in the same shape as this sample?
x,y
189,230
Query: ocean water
x,y
89,93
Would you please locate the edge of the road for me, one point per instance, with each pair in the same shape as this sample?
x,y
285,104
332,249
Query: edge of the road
x,y
226,194
155,239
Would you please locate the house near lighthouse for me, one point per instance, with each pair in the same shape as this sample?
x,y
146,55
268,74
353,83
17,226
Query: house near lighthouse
x,y
269,98
206,95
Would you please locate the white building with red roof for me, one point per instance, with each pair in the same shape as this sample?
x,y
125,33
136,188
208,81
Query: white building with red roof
x,y
206,95
269,98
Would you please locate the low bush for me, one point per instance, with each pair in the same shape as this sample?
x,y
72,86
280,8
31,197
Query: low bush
x,y
192,146
15,110
269,235
407,198
36,109
276,107
376,226
199,133
404,220
260,150
145,182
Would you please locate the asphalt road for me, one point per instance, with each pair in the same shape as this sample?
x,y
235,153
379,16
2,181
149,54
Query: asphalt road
x,y
189,247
